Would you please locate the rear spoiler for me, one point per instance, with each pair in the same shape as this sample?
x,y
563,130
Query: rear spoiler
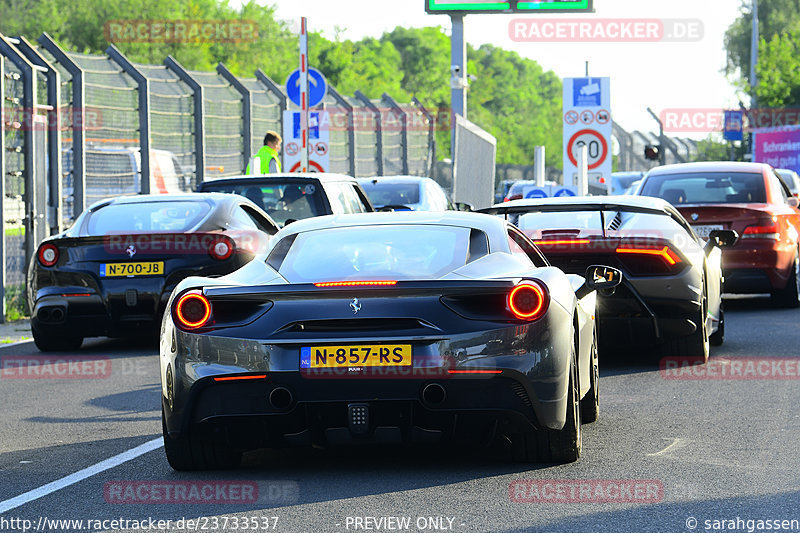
x,y
556,208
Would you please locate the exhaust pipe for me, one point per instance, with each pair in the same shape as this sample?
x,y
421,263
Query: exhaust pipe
x,y
281,398
57,314
44,314
433,394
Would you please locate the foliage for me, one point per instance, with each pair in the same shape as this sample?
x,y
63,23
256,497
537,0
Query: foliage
x,y
513,98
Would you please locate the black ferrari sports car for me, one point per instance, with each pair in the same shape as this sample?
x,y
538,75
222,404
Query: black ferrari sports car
x,y
671,294
112,272
405,327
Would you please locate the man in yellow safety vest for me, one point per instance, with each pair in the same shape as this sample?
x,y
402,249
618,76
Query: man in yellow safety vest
x,y
269,154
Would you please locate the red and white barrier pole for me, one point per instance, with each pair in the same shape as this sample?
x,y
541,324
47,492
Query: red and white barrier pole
x,y
304,94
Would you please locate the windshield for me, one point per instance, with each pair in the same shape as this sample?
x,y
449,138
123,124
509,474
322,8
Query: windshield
x,y
707,188
388,193
147,217
361,253
283,201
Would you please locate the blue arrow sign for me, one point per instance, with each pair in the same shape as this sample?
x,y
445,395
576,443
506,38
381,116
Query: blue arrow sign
x,y
536,193
564,192
317,87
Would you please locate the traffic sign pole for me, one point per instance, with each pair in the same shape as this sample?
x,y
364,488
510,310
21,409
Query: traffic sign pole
x,y
304,94
538,165
583,170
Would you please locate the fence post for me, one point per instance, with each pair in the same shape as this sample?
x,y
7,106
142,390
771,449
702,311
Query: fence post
x,y
2,189
199,127
378,127
351,127
431,159
247,109
78,137
404,133
143,92
29,86
54,201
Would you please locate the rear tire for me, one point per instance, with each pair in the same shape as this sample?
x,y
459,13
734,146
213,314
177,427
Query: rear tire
x,y
718,337
789,296
552,445
695,345
51,343
590,404
185,454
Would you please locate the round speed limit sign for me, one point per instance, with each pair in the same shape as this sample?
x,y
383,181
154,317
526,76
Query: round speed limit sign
x,y
596,147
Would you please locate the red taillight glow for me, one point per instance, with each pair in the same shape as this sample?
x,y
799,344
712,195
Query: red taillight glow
x,y
221,249
48,255
670,257
765,229
193,310
513,197
474,371
355,283
563,242
240,378
527,301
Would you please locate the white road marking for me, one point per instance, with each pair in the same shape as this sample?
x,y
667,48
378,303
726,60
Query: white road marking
x,y
676,443
88,472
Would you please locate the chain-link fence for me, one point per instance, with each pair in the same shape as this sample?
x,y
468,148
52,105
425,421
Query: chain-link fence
x,y
79,128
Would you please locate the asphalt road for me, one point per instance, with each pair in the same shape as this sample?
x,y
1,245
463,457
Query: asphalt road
x,y
668,453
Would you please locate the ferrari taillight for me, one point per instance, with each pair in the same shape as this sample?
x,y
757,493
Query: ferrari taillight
x,y
765,229
528,301
193,310
221,248
48,254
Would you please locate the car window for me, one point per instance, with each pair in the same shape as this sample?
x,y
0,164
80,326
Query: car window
x,y
397,252
243,218
781,191
147,217
282,200
393,193
707,188
260,222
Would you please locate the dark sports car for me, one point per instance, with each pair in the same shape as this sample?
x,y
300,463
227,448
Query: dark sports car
x,y
671,292
385,328
112,272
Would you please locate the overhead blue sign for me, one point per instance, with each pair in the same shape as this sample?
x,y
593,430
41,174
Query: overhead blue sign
x,y
317,87
734,125
313,125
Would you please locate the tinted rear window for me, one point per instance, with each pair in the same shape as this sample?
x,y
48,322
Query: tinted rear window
x,y
147,217
707,188
381,194
362,253
281,200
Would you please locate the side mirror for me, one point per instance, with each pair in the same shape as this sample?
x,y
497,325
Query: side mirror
x,y
721,238
600,278
793,201
463,206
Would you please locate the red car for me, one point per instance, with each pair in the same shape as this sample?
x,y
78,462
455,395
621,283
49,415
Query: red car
x,y
750,199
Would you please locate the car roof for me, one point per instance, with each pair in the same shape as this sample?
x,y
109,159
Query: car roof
x,y
709,166
486,223
394,179
176,197
323,177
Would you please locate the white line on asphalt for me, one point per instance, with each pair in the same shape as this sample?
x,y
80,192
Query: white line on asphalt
x,y
71,479
676,443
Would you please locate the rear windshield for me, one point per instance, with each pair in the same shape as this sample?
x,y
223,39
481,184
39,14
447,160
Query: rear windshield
x,y
707,188
283,201
147,217
381,194
395,252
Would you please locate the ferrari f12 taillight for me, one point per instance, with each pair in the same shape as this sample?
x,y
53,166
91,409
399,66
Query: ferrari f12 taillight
x,y
221,249
192,310
528,301
48,254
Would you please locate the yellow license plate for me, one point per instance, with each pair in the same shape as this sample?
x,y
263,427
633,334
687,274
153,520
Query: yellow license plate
x,y
110,270
370,355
